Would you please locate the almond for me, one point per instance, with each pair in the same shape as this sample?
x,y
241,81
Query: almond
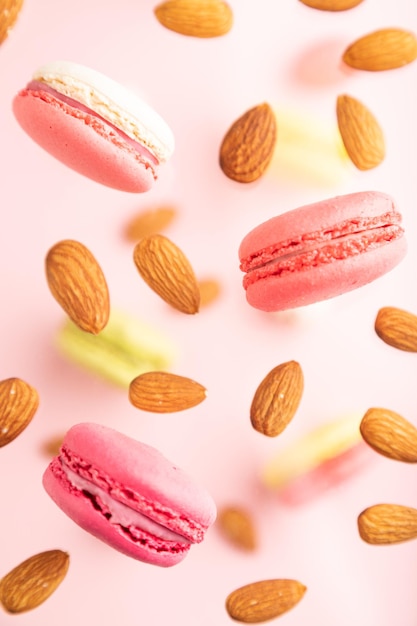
x,y
19,402
209,290
33,581
361,133
390,434
397,328
277,398
248,146
78,284
384,49
167,271
237,526
149,222
9,12
387,523
162,392
195,18
332,5
264,600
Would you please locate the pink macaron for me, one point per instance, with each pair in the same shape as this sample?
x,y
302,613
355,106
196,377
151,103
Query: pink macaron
x,y
321,250
94,125
128,494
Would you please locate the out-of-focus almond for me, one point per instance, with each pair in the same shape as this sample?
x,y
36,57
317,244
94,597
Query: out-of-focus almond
x,y
277,399
33,581
398,328
237,525
9,12
167,271
162,392
361,133
248,146
78,284
332,5
149,222
51,446
196,18
384,49
387,523
209,291
390,434
264,600
19,402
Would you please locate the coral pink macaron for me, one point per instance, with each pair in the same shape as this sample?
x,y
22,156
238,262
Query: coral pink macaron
x,y
321,250
128,494
94,125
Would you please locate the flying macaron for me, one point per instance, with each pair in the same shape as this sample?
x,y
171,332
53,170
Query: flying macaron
x,y
94,125
321,250
128,494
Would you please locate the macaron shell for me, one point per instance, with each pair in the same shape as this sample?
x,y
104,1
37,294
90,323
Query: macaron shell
x,y
83,143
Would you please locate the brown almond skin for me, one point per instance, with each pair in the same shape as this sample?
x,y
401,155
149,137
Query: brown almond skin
x,y
277,399
196,18
390,434
237,525
162,392
361,133
249,144
9,12
264,600
380,50
32,582
387,523
167,271
332,5
149,222
78,284
397,328
19,402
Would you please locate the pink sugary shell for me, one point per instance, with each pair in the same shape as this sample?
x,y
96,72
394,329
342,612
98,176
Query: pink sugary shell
x,y
139,468
328,280
82,142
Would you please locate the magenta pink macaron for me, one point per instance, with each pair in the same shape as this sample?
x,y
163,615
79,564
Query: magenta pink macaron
x,y
128,494
94,125
321,250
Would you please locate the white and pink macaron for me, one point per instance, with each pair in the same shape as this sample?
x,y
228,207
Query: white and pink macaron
x,y
94,125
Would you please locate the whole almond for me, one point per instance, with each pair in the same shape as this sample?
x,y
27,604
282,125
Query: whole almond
x,y
264,600
398,328
33,581
361,133
390,434
162,392
277,398
196,18
384,49
332,5
248,146
149,222
9,12
387,523
167,271
78,284
19,402
237,525
209,290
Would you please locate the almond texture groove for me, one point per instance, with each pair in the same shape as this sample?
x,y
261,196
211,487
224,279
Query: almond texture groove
x,y
397,328
19,402
384,49
196,18
264,600
162,392
387,523
390,434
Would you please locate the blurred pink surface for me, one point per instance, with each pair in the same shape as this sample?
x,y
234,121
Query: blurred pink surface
x,y
286,54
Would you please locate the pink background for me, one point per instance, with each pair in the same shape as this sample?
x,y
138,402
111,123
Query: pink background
x,y
287,54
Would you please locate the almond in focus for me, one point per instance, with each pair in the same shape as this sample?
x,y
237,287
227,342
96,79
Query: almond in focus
x,y
237,525
32,582
277,398
167,271
77,283
149,222
390,434
397,328
384,49
387,523
162,392
196,18
248,146
19,402
264,600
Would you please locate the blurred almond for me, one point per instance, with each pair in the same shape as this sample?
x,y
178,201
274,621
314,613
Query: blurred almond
x,y
162,392
149,222
398,328
248,146
78,284
9,12
361,133
264,600
19,402
51,447
277,399
209,291
237,526
196,18
332,5
167,271
387,523
33,581
384,49
390,434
